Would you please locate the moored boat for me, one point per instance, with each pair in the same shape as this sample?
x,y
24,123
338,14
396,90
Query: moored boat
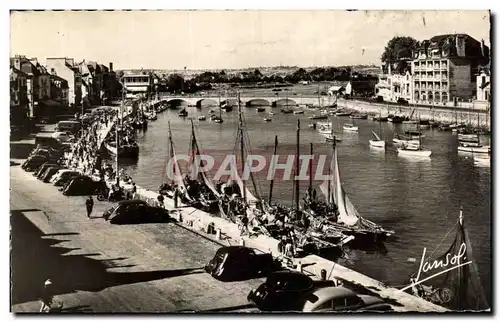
x,y
286,110
201,118
261,109
359,116
482,161
319,117
125,150
183,113
267,119
377,143
474,149
401,139
342,113
298,112
349,127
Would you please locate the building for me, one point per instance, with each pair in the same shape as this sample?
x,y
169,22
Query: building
x,y
483,86
68,70
444,69
43,81
395,84
31,73
137,83
19,110
59,89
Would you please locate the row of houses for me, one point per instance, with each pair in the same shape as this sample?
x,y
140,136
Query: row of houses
x,y
444,70
37,90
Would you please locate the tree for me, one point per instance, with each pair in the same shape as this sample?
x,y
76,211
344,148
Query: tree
x,y
399,47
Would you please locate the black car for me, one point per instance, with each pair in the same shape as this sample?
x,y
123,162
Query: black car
x,y
285,291
39,173
237,263
33,163
135,212
82,185
45,177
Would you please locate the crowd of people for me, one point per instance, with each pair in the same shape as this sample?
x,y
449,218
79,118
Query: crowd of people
x,y
84,154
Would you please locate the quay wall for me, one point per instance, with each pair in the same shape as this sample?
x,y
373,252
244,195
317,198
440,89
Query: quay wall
x,y
436,113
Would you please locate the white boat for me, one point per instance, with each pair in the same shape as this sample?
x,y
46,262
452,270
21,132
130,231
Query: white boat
x,y
201,118
319,124
271,113
410,122
348,127
298,112
474,149
482,162
377,143
267,119
325,129
468,137
414,150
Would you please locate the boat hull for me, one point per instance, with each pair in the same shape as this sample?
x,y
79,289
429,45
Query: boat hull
x,y
402,141
474,149
414,153
127,151
377,144
350,128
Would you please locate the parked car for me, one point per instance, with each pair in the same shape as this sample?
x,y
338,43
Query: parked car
x,y
82,185
38,174
33,163
135,212
51,171
237,263
62,136
285,291
337,299
61,175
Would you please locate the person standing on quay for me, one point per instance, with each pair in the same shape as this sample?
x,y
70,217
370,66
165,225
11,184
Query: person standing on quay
x,y
90,205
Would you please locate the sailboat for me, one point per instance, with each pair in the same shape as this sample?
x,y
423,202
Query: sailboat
x,y
350,127
330,137
460,288
471,143
378,142
414,150
199,186
348,220
226,106
174,174
286,109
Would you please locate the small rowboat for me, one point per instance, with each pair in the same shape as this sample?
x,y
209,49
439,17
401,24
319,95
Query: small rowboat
x,y
348,127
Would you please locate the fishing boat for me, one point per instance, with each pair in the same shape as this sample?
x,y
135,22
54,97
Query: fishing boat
x,y
267,119
183,113
271,113
201,118
458,288
396,119
125,150
298,112
261,109
349,127
347,219
286,110
359,116
325,129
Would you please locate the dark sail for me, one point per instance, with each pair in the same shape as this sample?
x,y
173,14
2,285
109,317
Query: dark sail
x,y
460,288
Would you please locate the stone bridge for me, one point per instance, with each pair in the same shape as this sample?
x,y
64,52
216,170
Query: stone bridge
x,y
250,101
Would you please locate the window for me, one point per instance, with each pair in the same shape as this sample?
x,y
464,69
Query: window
x,y
353,301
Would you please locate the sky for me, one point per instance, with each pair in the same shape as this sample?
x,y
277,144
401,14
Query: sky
x,y
230,39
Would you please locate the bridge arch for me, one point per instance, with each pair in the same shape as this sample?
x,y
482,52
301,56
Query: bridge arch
x,y
206,102
177,103
284,102
257,102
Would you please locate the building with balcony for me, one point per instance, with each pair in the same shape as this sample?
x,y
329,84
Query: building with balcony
x,y
59,89
444,69
137,83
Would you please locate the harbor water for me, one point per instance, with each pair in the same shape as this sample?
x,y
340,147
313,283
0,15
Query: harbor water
x,y
419,199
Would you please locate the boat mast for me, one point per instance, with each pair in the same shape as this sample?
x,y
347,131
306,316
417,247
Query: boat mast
x,y
244,192
117,140
310,170
272,180
297,167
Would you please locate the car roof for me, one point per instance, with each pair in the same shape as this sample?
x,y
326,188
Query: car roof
x,y
287,273
326,294
230,249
